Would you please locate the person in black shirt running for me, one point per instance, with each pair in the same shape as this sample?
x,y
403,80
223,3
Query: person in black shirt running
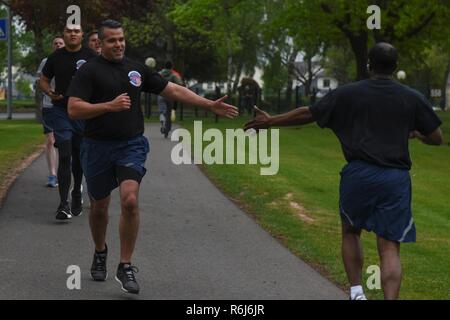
x,y
106,92
373,120
61,66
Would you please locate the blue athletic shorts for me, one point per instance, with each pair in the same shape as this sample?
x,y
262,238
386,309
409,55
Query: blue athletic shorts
x,y
107,163
377,199
65,128
48,120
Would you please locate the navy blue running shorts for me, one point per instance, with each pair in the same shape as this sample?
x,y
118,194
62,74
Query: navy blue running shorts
x,y
106,164
377,199
65,128
48,120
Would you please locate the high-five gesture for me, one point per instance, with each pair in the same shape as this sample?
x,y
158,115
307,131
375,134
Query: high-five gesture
x,y
260,121
223,109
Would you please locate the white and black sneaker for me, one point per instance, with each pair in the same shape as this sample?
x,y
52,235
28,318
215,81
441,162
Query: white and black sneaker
x,y
76,206
98,268
358,296
125,276
63,212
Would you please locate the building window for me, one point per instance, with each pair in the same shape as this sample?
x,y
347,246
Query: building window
x,y
326,83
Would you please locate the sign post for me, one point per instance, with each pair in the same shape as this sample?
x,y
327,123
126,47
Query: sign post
x,y
5,34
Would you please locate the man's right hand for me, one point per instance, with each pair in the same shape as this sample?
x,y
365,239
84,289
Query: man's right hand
x,y
121,103
54,96
260,121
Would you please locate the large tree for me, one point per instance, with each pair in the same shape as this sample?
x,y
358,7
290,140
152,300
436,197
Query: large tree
x,y
232,26
403,23
49,16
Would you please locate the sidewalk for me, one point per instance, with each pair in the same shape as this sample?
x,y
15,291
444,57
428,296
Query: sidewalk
x,y
194,243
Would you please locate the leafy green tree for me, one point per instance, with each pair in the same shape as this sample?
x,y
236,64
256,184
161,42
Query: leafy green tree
x,y
407,24
24,87
340,63
232,27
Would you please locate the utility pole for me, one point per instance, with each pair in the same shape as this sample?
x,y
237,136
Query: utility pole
x,y
9,93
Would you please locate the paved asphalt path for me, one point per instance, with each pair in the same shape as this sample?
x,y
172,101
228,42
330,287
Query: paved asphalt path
x,y
194,243
19,116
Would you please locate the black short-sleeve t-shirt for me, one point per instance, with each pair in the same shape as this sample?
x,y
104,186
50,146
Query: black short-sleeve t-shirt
x,y
373,119
62,66
101,80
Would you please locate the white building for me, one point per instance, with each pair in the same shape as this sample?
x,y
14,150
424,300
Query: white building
x,y
322,82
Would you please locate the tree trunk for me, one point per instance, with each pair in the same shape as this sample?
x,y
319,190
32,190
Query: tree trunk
x,y
444,84
307,85
40,54
39,45
237,77
291,75
359,47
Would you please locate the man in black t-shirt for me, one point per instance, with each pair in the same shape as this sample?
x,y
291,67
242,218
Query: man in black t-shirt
x,y
106,92
61,66
373,120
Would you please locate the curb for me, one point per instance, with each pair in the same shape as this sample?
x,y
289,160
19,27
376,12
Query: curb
x,y
11,177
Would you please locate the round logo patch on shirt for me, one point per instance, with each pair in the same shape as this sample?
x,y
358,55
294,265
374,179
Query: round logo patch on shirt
x,y
135,78
80,63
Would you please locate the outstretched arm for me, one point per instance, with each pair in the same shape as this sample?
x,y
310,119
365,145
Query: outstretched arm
x,y
263,120
175,92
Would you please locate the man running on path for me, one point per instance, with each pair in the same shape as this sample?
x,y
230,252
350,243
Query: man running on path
x,y
373,120
93,42
166,106
47,121
62,66
106,92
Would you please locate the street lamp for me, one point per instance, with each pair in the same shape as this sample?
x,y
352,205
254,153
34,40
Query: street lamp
x,y
151,63
401,75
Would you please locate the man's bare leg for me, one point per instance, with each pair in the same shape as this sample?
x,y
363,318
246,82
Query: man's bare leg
x,y
391,269
129,219
98,220
50,152
352,254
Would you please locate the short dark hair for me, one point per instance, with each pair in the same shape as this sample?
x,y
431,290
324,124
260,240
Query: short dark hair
x,y
108,24
91,33
383,58
168,65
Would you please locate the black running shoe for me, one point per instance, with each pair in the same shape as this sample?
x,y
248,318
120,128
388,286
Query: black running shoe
x,y
77,205
125,276
98,268
63,212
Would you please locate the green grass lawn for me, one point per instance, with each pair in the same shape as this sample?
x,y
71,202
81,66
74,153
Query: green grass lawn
x,y
18,139
299,205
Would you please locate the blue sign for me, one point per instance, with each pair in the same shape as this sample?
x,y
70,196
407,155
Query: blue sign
x,y
3,29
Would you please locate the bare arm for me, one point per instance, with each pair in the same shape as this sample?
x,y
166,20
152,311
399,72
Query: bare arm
x,y
299,116
263,120
44,84
175,92
436,138
79,109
